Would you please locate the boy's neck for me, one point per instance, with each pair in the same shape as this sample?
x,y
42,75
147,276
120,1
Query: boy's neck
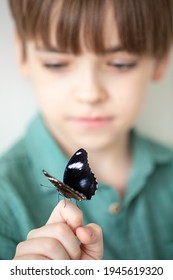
x,y
112,165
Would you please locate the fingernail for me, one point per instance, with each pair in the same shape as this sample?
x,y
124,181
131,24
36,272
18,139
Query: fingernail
x,y
88,230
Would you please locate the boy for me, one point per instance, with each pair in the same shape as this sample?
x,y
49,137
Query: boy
x,y
91,62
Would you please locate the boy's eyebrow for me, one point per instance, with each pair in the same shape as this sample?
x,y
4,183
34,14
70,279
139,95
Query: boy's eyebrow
x,y
110,50
51,50
114,49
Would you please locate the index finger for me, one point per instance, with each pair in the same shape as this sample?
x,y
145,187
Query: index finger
x,y
67,212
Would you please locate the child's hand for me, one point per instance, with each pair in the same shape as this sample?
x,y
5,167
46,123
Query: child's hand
x,y
59,238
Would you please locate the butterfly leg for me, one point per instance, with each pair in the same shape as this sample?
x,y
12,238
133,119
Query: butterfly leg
x,y
77,204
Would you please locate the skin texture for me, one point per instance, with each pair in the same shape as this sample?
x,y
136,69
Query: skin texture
x,y
90,101
59,238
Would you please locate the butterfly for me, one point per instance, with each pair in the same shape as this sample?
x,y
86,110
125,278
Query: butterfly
x,y
79,181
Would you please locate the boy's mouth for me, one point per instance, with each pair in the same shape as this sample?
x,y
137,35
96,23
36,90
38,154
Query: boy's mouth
x,y
91,122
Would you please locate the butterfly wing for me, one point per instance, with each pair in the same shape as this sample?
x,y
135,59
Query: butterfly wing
x,y
64,189
78,175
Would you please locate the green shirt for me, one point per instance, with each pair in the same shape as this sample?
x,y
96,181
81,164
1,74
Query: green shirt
x,y
138,227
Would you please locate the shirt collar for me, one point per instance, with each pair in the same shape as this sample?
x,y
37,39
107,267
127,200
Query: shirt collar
x,y
44,153
146,154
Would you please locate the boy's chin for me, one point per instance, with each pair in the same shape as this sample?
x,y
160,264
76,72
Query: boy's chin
x,y
95,145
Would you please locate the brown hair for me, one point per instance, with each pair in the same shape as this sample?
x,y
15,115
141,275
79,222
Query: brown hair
x,y
144,26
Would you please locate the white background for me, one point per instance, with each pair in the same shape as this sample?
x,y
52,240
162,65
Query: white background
x,y
18,104
109,270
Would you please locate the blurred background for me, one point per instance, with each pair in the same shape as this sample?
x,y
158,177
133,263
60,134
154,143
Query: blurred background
x,y
18,104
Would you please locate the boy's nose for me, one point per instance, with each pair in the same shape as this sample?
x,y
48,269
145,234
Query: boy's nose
x,y
90,89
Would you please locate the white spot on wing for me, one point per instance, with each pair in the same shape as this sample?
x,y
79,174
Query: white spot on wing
x,y
53,179
78,153
76,165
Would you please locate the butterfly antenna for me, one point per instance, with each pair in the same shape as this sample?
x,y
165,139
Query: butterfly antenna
x,y
48,187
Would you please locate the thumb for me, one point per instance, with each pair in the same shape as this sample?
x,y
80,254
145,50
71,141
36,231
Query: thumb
x,y
91,239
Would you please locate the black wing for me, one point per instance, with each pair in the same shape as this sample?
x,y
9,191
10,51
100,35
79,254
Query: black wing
x,y
79,176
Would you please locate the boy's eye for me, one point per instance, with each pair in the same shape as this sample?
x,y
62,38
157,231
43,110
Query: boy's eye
x,y
122,66
55,65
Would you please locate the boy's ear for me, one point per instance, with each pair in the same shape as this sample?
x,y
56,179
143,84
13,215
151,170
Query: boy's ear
x,y
21,58
160,67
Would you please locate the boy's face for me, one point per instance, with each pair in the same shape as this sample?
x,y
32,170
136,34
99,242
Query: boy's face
x,y
90,100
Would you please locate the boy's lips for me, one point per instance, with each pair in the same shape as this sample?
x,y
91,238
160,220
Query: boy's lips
x,y
91,122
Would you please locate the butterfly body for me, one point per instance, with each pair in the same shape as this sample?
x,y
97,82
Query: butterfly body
x,y
79,182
